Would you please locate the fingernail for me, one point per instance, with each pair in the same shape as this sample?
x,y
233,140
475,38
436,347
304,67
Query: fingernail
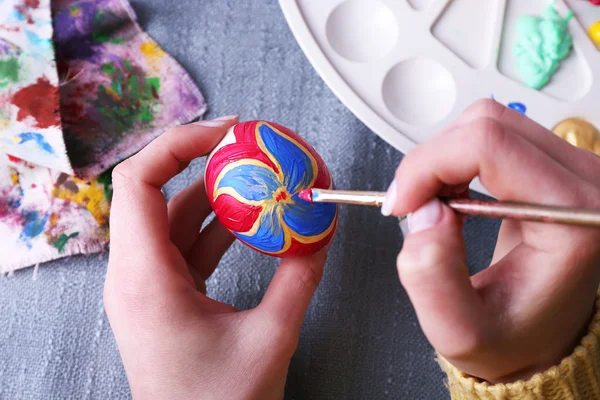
x,y
210,124
425,217
403,222
225,118
390,199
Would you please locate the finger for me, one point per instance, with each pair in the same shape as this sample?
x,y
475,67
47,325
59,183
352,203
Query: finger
x,y
139,211
292,289
509,166
187,211
432,268
455,191
208,249
577,160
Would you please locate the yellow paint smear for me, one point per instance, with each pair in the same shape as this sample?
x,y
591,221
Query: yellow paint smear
x,y
14,176
112,93
53,219
151,50
91,196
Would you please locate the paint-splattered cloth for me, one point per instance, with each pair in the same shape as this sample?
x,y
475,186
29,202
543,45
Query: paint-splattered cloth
x,y
122,89
46,214
29,104
111,90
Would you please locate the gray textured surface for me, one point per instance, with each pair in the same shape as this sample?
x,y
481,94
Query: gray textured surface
x,y
360,340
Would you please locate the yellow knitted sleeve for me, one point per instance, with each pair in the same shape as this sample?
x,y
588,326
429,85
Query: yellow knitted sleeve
x,y
577,377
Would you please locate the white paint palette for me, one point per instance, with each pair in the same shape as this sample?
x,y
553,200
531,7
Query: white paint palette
x,y
407,68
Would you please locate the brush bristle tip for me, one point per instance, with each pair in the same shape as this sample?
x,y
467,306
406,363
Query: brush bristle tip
x,y
306,195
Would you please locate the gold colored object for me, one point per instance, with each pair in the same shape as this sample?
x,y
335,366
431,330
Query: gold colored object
x,y
482,208
594,32
579,133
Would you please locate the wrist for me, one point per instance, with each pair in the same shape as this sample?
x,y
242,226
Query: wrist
x,y
552,359
577,373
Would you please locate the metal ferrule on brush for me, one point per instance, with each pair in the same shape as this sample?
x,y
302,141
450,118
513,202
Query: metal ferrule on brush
x,y
348,197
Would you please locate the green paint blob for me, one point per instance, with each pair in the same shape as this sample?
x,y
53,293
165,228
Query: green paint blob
x,y
9,71
106,180
130,99
544,43
105,26
59,244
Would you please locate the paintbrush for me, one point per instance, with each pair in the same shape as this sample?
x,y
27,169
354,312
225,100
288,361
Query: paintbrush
x,y
482,208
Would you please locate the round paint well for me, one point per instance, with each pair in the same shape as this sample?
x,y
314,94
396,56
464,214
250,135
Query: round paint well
x,y
362,30
419,91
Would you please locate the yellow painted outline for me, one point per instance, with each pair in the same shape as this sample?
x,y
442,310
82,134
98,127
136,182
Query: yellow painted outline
x,y
231,166
233,193
261,144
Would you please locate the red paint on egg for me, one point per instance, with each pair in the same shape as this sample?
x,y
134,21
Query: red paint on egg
x,y
242,217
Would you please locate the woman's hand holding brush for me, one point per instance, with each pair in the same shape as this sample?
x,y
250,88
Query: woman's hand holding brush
x,y
532,306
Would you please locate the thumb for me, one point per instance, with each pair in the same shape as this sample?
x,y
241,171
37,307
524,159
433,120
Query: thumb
x,y
292,289
432,268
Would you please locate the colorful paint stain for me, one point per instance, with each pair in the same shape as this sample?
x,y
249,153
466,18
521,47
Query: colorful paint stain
x,y
9,71
8,48
75,11
147,94
61,241
89,194
36,138
129,99
151,50
53,225
14,176
38,101
105,179
39,47
93,27
75,22
105,25
34,225
23,10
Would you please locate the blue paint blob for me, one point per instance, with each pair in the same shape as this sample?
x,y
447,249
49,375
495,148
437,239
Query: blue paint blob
x,y
515,105
37,138
251,182
34,225
38,42
294,162
520,107
18,16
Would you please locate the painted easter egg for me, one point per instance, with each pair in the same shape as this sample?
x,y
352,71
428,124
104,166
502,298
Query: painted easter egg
x,y
253,178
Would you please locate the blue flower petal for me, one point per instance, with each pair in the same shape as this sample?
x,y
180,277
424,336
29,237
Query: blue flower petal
x,y
251,181
308,219
295,162
269,237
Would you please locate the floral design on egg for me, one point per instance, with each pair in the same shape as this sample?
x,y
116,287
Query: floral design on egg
x,y
253,178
